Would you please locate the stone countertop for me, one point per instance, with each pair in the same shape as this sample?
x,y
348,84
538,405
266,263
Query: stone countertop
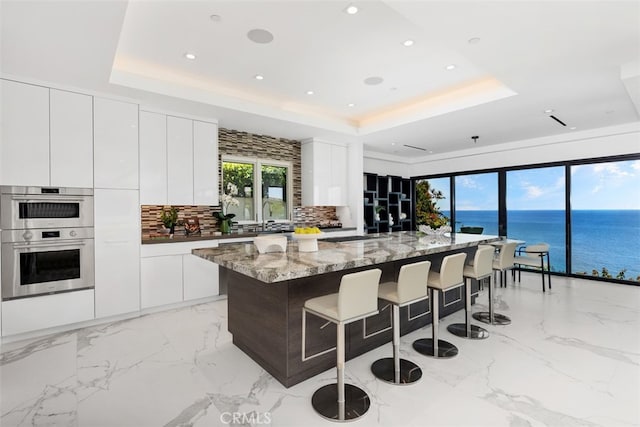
x,y
277,267
210,236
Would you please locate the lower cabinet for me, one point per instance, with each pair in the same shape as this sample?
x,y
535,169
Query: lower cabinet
x,y
47,311
170,274
161,280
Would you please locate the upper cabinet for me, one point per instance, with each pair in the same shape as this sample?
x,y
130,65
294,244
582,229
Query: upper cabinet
x,y
71,139
324,174
115,136
179,160
205,163
47,137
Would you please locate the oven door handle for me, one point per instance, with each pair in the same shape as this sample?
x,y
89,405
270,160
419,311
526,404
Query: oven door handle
x,y
45,198
60,243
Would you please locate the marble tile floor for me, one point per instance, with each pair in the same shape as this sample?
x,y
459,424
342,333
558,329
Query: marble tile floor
x,y
571,357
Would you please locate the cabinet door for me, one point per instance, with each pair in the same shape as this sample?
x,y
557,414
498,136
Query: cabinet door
x,y
71,139
205,163
200,277
337,193
179,161
117,243
160,280
115,144
24,152
153,158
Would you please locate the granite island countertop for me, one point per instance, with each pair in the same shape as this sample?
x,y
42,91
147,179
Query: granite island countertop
x,y
377,249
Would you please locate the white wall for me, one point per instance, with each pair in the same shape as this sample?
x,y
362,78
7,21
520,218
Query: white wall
x,y
602,142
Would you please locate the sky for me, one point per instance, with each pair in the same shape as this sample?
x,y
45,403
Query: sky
x,y
614,185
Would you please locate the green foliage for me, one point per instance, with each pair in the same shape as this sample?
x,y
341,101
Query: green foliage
x,y
240,174
427,212
169,217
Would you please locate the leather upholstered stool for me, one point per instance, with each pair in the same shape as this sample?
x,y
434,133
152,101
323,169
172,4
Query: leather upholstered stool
x,y
356,299
449,277
411,287
480,268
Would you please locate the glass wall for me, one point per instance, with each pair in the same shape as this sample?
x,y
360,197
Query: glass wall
x,y
476,203
536,210
605,220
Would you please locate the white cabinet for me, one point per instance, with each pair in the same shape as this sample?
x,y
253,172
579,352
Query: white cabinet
x,y
71,138
24,120
161,280
205,163
324,174
115,144
179,161
153,158
46,311
200,277
117,251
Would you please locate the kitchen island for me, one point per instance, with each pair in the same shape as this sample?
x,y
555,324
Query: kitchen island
x,y
266,293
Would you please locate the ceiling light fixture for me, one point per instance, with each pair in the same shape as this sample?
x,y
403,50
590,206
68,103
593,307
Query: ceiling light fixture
x,y
473,40
215,18
548,111
351,9
351,105
190,56
260,36
450,67
259,77
309,92
408,43
372,81
573,128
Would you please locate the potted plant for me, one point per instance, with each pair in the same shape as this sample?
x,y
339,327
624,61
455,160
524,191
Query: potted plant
x,y
227,200
378,209
169,218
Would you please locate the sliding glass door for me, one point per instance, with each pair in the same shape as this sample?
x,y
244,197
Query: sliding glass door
x,y
476,203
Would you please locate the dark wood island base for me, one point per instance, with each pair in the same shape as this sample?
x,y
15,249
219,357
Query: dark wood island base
x,y
266,319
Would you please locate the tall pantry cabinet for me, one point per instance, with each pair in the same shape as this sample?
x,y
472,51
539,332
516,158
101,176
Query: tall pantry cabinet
x,y
117,209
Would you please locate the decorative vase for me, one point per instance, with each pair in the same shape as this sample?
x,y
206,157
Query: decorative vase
x,y
225,226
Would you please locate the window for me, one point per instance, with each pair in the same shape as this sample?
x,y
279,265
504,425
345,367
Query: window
x,y
535,210
272,177
605,220
476,204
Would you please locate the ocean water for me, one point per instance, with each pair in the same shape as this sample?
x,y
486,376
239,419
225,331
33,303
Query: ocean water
x,y
600,238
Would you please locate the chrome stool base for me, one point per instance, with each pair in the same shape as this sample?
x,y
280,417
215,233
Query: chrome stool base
x,y
384,370
485,317
475,332
446,350
325,402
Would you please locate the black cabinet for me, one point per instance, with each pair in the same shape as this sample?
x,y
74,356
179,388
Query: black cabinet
x,y
387,203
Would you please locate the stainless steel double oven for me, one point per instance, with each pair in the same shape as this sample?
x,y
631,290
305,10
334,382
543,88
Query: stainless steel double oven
x,y
47,240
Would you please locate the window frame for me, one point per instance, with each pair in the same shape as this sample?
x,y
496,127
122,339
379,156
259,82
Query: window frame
x,y
257,184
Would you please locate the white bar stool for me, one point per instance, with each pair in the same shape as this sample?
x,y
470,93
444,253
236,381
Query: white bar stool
x,y
480,268
411,287
356,299
449,277
503,263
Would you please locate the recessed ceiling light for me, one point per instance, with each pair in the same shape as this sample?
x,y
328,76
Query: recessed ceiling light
x,y
351,9
309,92
190,56
215,18
393,143
260,36
548,111
408,43
393,88
430,151
573,128
474,40
351,105
259,77
450,67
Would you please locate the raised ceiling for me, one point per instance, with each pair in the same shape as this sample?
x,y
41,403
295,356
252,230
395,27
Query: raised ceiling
x,y
513,61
